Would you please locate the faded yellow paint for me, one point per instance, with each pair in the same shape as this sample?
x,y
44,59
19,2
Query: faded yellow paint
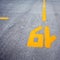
x,y
44,11
4,18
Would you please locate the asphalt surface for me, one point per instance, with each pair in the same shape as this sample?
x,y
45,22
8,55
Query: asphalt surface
x,y
24,16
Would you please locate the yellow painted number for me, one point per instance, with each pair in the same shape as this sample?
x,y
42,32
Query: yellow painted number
x,y
41,43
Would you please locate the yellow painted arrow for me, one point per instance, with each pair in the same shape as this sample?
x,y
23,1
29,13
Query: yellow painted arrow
x,y
4,18
44,11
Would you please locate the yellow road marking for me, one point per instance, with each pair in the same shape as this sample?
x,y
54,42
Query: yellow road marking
x,y
4,18
44,11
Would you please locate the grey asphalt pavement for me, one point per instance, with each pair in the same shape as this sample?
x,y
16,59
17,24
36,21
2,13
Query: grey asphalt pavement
x,y
24,16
